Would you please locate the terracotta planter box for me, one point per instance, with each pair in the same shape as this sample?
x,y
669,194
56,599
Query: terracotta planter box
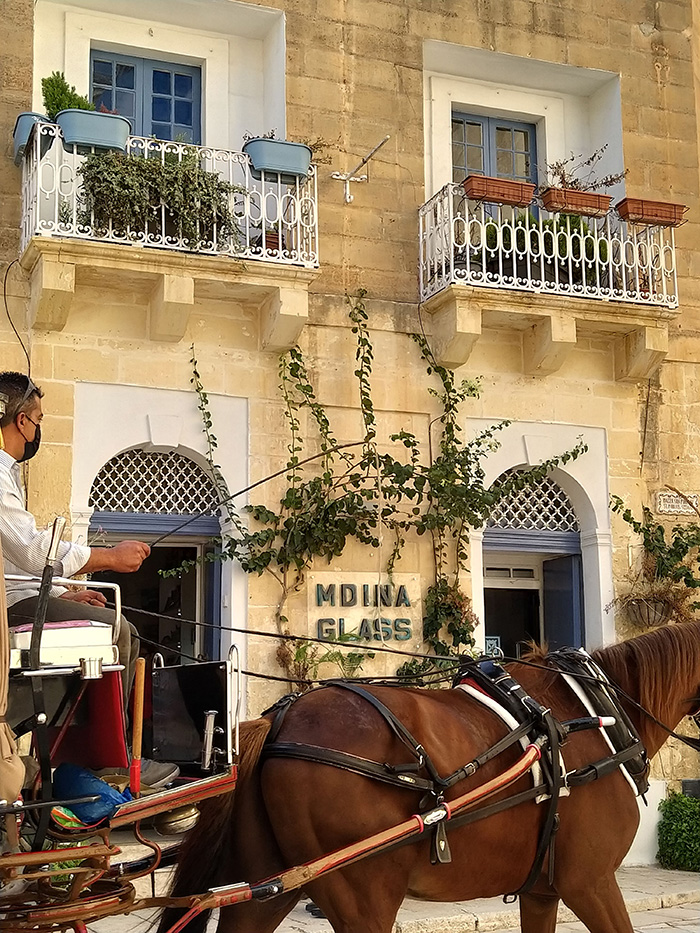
x,y
573,201
663,213
498,190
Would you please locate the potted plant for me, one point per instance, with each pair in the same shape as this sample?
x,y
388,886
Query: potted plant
x,y
280,157
80,123
24,126
498,190
659,213
572,187
174,201
665,584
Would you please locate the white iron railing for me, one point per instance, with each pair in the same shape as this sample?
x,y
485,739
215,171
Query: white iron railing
x,y
263,219
475,243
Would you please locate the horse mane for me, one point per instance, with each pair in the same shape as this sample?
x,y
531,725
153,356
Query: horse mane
x,y
648,666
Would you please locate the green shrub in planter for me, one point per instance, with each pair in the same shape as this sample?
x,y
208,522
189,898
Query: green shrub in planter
x,y
130,192
679,833
59,95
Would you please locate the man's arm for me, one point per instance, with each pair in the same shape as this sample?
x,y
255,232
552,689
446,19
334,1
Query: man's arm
x,y
125,557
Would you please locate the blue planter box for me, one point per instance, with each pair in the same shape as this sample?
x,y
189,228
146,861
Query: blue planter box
x,y
23,129
91,128
279,156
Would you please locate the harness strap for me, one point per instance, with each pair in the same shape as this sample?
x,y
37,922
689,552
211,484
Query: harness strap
x,y
389,774
396,726
604,766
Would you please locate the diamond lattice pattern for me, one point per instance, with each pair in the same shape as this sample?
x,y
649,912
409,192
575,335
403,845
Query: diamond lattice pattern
x,y
543,506
155,482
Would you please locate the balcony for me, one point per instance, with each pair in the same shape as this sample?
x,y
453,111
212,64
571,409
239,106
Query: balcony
x,y
180,221
553,276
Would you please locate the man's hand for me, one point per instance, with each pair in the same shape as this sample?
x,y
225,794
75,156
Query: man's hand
x,y
91,597
125,557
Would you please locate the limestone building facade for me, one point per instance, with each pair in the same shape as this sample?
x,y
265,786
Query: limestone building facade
x,y
594,336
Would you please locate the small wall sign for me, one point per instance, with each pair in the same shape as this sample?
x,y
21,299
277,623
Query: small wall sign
x,y
358,605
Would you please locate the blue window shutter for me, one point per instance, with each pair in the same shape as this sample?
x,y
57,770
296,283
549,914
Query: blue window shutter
x,y
509,147
162,99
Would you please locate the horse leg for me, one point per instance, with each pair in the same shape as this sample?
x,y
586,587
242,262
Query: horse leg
x,y
360,898
538,912
599,904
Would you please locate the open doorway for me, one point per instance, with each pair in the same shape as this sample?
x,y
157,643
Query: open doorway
x,y
173,599
530,597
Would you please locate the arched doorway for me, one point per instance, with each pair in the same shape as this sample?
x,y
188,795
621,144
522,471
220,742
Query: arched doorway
x,y
146,494
533,582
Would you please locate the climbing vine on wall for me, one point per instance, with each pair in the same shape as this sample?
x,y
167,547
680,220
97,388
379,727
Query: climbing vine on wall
x,y
394,485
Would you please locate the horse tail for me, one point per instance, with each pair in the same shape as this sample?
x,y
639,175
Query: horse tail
x,y
203,854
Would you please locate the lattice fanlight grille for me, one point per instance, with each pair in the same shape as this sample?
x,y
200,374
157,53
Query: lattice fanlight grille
x,y
158,483
543,506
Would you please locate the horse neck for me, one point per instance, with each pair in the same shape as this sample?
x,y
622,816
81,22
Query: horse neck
x,y
661,672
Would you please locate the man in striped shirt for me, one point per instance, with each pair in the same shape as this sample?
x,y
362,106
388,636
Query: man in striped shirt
x,y
25,547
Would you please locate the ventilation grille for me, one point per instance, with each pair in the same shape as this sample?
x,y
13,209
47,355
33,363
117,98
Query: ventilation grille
x,y
543,506
153,482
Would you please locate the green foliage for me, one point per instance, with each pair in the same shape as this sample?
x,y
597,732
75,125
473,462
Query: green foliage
x,y
359,494
154,196
679,833
59,95
302,659
670,559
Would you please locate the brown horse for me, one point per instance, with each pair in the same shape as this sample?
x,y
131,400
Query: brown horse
x,y
285,812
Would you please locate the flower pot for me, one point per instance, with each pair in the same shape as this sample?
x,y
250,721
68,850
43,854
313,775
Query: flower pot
x,y
280,157
662,213
90,128
24,125
573,201
498,190
647,612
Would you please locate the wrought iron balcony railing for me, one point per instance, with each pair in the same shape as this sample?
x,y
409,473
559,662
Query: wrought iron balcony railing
x,y
528,249
167,195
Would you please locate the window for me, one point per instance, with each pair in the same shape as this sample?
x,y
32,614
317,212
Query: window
x,y
491,146
160,99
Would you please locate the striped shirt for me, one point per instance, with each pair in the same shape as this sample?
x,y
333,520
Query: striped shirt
x,y
24,546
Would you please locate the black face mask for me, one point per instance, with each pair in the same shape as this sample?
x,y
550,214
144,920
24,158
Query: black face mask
x,y
31,447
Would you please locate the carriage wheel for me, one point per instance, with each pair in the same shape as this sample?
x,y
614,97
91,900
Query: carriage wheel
x,y
103,899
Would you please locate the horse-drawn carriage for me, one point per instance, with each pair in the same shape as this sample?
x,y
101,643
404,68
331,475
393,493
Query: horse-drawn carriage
x,y
482,779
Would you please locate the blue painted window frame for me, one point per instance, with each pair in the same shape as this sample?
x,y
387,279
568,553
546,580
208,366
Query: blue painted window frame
x,y
490,148
144,96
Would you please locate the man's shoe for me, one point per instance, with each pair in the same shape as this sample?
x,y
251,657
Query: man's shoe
x,y
153,773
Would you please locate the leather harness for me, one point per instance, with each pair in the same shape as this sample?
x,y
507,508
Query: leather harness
x,y
534,721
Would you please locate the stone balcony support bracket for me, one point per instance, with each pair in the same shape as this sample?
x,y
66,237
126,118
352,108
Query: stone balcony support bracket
x,y
639,353
167,285
456,326
548,343
172,300
52,285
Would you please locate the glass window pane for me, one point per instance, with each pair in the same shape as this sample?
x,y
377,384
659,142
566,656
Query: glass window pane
x,y
101,72
160,109
521,140
183,134
161,82
125,76
458,173
474,137
522,165
161,130
457,131
475,159
504,139
183,112
125,103
102,99
183,86
504,164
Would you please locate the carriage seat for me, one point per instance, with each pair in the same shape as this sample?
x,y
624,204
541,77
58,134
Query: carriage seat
x,y
64,644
